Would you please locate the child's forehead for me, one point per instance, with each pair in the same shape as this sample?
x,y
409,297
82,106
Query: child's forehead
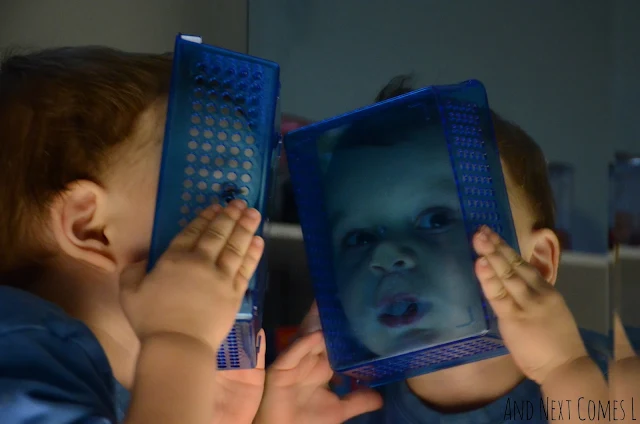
x,y
414,154
390,174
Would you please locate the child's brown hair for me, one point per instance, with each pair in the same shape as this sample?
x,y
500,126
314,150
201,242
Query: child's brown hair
x,y
522,157
62,112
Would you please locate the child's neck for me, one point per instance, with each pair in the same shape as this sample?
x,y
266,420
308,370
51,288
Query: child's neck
x,y
91,296
467,387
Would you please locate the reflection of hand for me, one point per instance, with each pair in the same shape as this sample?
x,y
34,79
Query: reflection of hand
x,y
534,320
297,391
311,322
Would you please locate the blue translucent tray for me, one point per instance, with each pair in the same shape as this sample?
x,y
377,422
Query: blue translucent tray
x,y
389,197
221,143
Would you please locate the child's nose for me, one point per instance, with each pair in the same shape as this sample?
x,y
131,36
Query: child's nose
x,y
389,258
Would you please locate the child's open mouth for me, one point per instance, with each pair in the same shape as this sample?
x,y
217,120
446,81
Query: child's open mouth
x,y
402,309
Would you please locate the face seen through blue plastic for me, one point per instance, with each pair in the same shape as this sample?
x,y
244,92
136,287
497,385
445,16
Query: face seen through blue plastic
x,y
402,259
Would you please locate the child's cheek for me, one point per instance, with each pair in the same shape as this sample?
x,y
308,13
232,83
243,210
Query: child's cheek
x,y
139,228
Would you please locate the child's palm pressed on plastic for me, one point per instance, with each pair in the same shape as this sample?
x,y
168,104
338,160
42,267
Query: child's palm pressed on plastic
x,y
196,287
195,291
297,389
534,320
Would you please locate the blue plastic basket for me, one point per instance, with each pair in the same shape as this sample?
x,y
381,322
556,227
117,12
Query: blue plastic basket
x,y
221,143
461,117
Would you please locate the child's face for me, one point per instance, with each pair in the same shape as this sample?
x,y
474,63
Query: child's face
x,y
404,269
131,185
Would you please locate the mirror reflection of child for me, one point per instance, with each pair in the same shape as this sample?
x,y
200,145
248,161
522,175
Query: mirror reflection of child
x,y
402,257
550,358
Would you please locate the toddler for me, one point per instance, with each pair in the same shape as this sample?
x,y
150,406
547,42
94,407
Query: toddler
x,y
81,326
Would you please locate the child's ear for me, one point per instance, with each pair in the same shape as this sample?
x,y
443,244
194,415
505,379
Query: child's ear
x,y
545,254
78,223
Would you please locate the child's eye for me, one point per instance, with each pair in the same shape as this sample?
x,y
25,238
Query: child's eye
x,y
436,220
358,238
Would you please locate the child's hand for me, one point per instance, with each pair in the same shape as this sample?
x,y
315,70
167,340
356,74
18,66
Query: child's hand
x,y
197,285
311,322
297,389
535,323
239,392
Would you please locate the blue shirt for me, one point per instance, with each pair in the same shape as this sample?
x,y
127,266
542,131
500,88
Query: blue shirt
x,y
522,405
54,371
52,368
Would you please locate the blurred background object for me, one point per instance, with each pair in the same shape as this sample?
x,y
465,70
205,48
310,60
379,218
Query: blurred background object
x,y
285,207
134,25
624,176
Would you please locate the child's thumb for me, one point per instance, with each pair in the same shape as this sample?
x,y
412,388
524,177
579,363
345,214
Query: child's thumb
x,y
132,275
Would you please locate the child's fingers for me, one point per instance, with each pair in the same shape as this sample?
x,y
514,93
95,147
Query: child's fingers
x,y
360,402
214,238
507,265
192,232
494,289
234,251
521,292
250,262
482,243
504,270
310,344
528,273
